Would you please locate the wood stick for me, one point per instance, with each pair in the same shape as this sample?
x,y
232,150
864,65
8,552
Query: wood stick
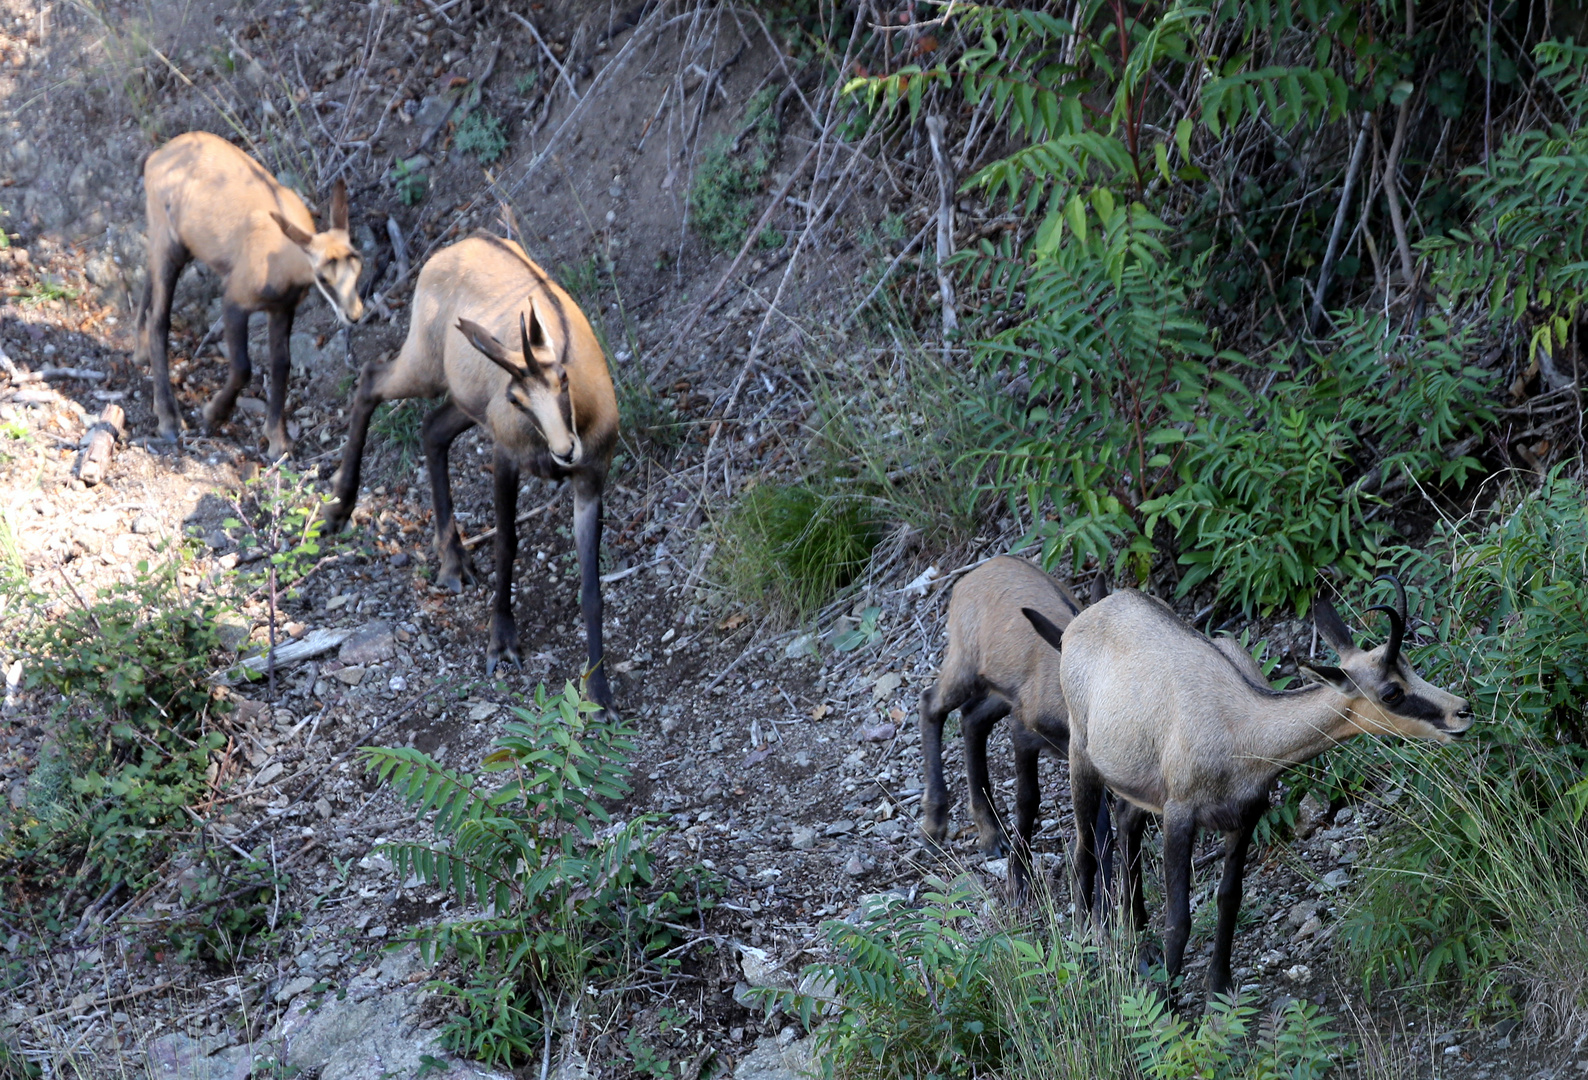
x,y
117,999
945,226
99,443
1333,251
481,538
399,247
562,71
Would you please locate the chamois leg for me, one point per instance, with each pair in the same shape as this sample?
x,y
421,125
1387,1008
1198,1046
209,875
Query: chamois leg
x,y
440,428
1028,800
1086,795
377,382
1235,847
504,631
219,409
976,721
280,368
937,701
1179,833
1132,823
166,262
587,540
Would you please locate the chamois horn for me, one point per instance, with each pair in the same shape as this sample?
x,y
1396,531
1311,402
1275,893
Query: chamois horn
x,y
1397,618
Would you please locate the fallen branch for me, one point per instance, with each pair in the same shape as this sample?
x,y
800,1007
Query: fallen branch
x,y
481,538
99,443
562,71
1333,251
945,226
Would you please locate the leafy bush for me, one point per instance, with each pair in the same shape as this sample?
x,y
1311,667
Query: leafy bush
x,y
409,183
568,894
727,180
793,546
135,727
482,135
1485,879
933,992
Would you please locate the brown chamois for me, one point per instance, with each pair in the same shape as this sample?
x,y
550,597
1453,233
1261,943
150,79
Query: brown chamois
x,y
207,200
547,401
995,665
1173,727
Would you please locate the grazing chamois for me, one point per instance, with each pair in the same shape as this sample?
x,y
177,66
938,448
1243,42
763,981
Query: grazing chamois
x,y
994,665
547,402
207,200
1173,726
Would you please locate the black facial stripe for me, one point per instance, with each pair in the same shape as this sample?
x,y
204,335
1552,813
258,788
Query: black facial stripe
x,y
1415,707
565,403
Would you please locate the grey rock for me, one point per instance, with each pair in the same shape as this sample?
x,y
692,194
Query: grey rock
x,y
1313,812
803,839
859,865
180,1057
232,629
294,988
1336,879
365,1040
371,643
145,525
840,828
769,1061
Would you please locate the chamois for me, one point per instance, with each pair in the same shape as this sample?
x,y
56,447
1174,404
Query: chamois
x,y
1173,727
995,665
207,200
548,404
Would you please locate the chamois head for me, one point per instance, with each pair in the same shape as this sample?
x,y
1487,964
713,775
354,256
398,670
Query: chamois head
x,y
539,384
336,261
1387,696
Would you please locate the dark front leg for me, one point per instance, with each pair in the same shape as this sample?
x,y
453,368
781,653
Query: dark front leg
x,y
1179,832
219,409
1132,824
280,371
1086,796
977,723
587,540
344,485
440,428
154,332
504,631
1236,845
1028,800
934,804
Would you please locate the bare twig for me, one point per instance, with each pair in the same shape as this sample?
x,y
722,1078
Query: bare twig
x,y
1333,251
945,226
562,71
481,538
399,247
887,273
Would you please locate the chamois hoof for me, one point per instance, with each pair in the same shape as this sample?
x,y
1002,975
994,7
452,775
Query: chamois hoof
x,y
493,657
994,847
216,413
279,450
333,518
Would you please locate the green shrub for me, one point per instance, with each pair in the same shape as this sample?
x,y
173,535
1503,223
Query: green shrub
x,y
1483,882
721,200
134,730
793,546
410,184
482,135
397,426
569,894
934,992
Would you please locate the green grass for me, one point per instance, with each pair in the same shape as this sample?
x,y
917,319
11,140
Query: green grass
x,y
792,547
396,426
722,198
482,135
648,422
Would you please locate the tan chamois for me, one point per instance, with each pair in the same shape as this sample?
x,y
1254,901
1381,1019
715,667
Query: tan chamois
x,y
207,200
994,665
547,401
1172,726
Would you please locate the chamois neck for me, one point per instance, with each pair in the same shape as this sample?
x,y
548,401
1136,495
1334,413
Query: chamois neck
x,y
1291,727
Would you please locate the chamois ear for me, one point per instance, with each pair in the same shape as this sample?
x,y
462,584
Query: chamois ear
x,y
1099,587
1044,628
1332,627
1334,678
483,340
533,336
295,234
339,205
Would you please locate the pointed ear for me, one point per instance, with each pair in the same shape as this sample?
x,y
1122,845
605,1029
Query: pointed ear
x,y
1332,627
339,205
483,340
533,336
1044,628
295,234
1099,587
1334,678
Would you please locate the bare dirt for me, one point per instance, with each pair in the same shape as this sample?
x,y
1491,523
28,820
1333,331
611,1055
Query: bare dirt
x,y
791,769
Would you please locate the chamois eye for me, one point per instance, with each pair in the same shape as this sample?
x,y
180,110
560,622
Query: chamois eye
x,y
1393,695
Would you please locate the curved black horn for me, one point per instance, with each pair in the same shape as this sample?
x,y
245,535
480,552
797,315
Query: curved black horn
x,y
1397,618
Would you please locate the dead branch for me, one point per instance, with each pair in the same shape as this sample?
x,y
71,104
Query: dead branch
x,y
99,443
480,538
945,226
546,49
1333,250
